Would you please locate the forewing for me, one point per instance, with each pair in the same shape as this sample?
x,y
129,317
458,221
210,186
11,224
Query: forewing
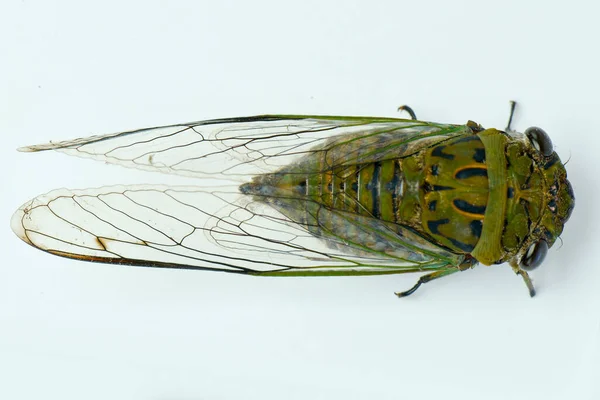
x,y
221,228
241,147
213,229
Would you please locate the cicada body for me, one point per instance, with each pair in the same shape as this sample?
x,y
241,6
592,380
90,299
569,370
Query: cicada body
x,y
313,196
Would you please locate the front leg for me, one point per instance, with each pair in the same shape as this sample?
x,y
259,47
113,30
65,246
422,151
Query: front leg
x,y
525,276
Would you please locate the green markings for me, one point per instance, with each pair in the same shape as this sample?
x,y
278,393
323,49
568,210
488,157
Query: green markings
x,y
489,249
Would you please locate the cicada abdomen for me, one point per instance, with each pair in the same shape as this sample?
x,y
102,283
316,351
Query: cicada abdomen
x,y
439,192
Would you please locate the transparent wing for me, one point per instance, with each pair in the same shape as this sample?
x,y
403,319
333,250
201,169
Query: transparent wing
x,y
217,229
239,147
222,228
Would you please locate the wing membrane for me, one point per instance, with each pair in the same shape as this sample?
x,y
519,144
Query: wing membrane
x,y
218,229
221,228
239,147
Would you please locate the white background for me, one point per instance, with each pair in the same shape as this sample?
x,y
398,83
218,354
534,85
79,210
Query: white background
x,y
73,330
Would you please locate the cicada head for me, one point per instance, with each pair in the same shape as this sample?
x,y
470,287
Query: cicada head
x,y
546,193
560,199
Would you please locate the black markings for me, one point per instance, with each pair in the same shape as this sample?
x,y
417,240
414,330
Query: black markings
x,y
439,152
467,207
525,205
470,172
302,187
434,225
428,187
250,188
476,228
393,187
374,188
434,229
432,205
479,155
356,180
510,192
553,160
467,248
468,138
552,205
245,188
435,170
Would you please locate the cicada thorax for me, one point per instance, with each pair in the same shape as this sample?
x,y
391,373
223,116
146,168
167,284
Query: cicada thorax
x,y
454,192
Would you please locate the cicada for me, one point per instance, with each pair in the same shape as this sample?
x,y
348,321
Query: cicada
x,y
297,195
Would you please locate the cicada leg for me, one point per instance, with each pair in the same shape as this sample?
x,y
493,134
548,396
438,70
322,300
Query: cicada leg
x,y
436,275
426,278
513,104
409,111
525,276
528,282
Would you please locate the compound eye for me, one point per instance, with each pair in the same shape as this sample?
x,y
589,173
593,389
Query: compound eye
x,y
540,140
535,255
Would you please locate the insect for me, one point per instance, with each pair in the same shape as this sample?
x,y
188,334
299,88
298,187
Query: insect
x,y
294,195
